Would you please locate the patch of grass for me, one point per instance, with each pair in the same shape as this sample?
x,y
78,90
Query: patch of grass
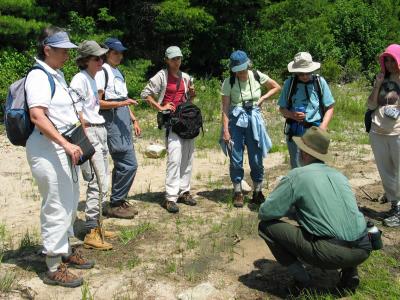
x,y
191,243
29,240
133,262
127,235
85,292
170,267
7,279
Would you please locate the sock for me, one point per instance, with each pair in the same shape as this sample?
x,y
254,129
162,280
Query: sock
x,y
237,187
299,273
257,186
53,262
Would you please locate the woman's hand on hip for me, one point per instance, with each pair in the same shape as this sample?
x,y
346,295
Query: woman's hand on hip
x,y
168,106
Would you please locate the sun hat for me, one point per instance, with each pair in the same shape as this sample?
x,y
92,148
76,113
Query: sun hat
x,y
59,40
90,48
173,51
303,63
314,142
394,51
115,44
238,61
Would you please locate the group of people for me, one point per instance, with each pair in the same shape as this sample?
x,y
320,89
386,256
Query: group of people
x,y
332,231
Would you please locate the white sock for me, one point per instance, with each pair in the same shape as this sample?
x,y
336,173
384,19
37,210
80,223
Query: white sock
x,y
298,272
237,187
53,262
257,186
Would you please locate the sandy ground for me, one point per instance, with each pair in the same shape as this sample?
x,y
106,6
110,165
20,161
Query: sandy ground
x,y
246,270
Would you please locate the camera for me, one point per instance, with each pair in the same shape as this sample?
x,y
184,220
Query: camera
x,y
391,112
248,105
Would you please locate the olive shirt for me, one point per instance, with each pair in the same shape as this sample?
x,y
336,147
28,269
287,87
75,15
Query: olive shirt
x,y
244,90
324,202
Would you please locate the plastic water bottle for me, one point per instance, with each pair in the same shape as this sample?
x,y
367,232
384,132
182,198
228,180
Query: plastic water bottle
x,y
374,235
299,127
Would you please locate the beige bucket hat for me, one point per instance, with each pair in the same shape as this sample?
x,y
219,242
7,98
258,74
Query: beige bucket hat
x,y
314,142
303,63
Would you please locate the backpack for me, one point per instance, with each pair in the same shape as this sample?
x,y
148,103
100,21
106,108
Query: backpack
x,y
187,121
16,118
232,78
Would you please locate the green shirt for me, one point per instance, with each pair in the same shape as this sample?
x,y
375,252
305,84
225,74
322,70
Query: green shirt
x,y
249,90
324,202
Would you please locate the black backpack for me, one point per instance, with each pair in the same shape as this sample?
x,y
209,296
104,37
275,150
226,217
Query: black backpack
x,y
187,121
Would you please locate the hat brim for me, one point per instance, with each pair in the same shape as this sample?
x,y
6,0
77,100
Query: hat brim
x,y
299,142
313,67
98,52
241,67
63,45
118,48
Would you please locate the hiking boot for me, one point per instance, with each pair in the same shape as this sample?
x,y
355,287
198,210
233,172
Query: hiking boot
x,y
393,221
238,199
121,210
349,279
93,240
77,261
187,199
170,206
258,198
62,277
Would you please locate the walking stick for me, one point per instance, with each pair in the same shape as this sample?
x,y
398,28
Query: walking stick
x,y
99,183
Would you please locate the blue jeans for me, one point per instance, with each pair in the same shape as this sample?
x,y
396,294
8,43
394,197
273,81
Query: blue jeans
x,y
123,174
293,152
241,137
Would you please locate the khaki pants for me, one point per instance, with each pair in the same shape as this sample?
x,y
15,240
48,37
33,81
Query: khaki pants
x,y
386,149
98,138
288,243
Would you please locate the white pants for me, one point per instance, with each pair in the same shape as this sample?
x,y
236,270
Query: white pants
x,y
386,149
98,138
51,168
179,166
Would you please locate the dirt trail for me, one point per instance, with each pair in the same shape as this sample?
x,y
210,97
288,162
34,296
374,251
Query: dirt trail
x,y
175,252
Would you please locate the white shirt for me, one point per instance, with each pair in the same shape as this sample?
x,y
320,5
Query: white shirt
x,y
116,85
59,109
86,88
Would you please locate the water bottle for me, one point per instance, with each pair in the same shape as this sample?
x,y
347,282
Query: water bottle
x,y
299,126
374,235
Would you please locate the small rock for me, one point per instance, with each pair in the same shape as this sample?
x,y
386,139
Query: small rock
x,y
203,291
155,151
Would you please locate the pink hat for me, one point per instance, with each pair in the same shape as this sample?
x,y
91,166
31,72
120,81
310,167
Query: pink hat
x,y
394,51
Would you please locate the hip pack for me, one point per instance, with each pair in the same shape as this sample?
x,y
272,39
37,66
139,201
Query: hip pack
x,y
186,121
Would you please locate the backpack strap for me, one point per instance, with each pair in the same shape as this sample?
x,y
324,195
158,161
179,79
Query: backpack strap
x,y
292,90
318,88
106,78
49,76
232,79
256,76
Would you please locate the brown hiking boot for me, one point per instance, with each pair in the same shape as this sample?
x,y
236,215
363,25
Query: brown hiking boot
x,y
121,210
170,206
187,199
76,260
238,199
62,277
258,198
93,240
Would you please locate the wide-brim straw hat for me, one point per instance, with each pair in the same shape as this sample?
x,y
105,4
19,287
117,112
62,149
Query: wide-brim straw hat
x,y
303,63
315,142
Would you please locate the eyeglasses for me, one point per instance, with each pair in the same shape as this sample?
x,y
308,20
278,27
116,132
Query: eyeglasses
x,y
176,58
303,74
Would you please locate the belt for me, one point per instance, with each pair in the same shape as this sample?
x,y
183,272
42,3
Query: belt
x,y
361,243
94,125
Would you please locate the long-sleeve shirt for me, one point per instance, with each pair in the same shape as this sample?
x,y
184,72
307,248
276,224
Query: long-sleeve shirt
x,y
323,199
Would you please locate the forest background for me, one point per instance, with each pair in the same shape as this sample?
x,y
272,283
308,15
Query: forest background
x,y
345,35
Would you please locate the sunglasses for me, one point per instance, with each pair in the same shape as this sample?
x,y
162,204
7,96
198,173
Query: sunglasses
x,y
176,58
96,58
303,74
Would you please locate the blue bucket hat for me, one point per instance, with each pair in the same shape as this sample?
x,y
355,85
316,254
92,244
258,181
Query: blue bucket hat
x,y
59,40
238,61
115,44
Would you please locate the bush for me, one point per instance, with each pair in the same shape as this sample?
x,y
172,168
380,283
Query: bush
x,y
331,70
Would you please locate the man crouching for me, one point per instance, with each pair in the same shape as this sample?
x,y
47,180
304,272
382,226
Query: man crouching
x,y
332,232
